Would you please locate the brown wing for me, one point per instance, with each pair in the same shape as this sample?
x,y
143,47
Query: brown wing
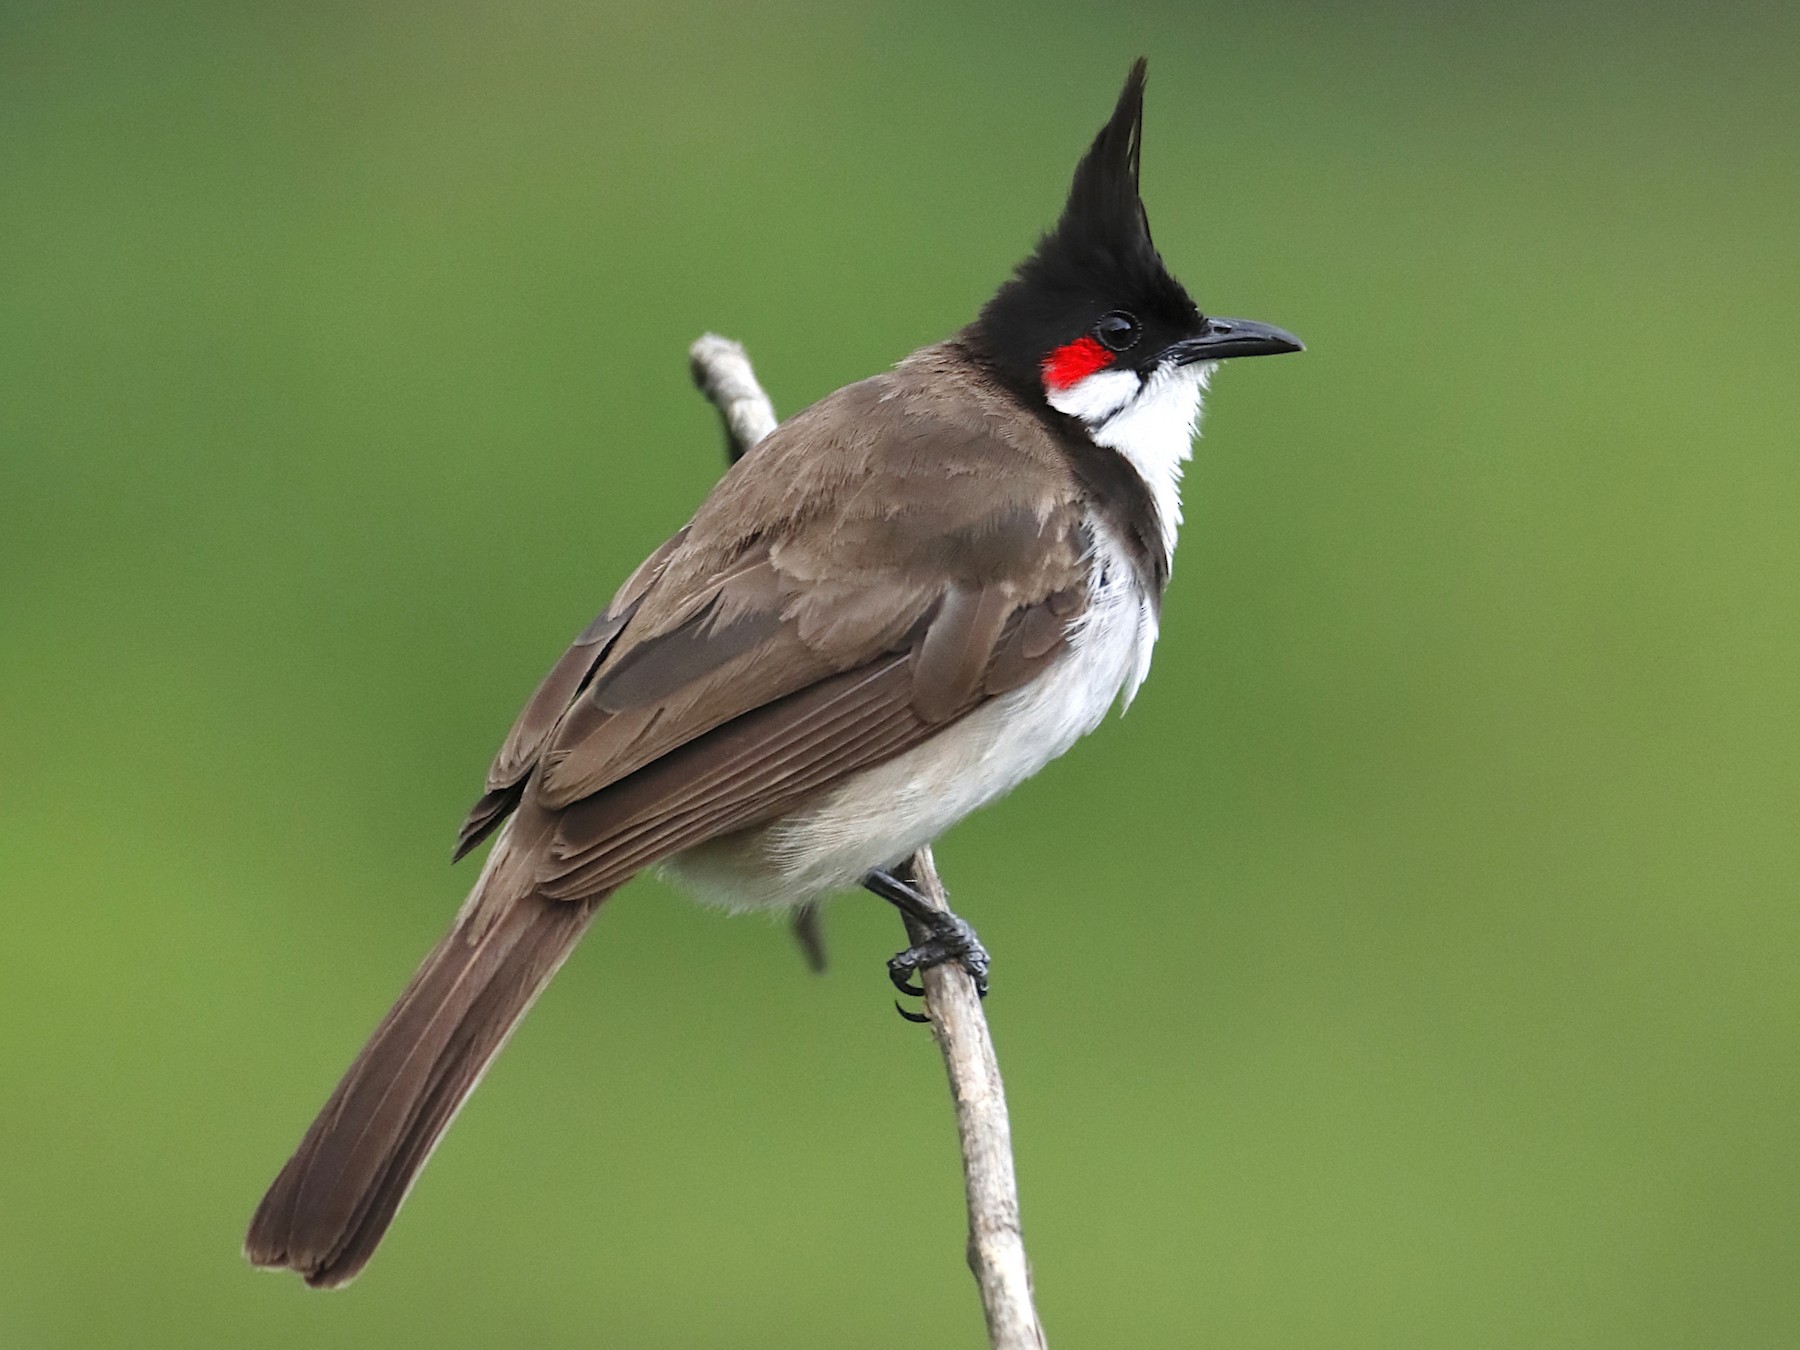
x,y
830,606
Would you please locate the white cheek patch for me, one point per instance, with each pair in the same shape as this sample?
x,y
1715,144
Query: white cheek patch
x,y
1096,397
1155,434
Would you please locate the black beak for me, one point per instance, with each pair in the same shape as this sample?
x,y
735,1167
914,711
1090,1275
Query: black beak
x,y
1235,337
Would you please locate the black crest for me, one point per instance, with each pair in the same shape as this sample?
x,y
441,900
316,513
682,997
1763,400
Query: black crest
x,y
1097,258
1103,224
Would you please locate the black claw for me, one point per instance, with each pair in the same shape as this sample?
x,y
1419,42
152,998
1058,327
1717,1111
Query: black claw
x,y
900,973
911,1016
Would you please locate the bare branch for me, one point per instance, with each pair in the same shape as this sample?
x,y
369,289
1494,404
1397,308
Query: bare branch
x,y
996,1252
996,1240
722,371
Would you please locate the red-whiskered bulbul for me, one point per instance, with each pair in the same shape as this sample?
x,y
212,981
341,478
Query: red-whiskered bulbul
x,y
903,602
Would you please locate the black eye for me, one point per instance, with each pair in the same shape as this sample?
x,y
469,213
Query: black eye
x,y
1118,330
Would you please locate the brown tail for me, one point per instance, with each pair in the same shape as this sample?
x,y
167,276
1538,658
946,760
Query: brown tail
x,y
328,1209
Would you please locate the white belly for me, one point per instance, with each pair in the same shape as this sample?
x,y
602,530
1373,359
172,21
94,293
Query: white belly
x,y
881,816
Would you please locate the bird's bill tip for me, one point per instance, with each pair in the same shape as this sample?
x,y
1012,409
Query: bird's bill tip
x,y
1222,338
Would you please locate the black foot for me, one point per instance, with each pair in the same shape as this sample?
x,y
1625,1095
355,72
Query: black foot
x,y
950,939
937,936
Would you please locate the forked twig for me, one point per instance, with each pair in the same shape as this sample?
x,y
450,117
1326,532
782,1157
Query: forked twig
x,y
996,1252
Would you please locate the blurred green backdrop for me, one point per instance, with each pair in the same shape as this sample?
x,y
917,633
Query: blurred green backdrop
x,y
1414,966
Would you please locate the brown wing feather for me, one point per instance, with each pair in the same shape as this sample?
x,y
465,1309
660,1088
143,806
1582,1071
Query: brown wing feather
x,y
957,649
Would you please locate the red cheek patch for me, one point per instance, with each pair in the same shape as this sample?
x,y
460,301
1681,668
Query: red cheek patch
x,y
1071,364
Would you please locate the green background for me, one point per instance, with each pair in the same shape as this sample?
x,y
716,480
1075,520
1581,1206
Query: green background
x,y
1415,965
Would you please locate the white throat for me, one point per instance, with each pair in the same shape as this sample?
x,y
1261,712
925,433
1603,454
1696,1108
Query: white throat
x,y
1150,421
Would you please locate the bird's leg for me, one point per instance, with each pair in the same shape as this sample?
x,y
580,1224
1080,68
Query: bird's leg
x,y
937,936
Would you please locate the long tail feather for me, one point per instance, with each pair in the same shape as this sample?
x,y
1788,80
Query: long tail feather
x,y
331,1204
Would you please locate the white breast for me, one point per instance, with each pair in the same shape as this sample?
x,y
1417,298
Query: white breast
x,y
884,814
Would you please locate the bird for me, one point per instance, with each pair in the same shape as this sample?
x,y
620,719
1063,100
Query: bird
x,y
904,601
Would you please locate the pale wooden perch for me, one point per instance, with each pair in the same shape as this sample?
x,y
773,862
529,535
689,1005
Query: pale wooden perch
x,y
723,372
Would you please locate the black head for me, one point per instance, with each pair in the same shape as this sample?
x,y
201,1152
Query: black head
x,y
1095,294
